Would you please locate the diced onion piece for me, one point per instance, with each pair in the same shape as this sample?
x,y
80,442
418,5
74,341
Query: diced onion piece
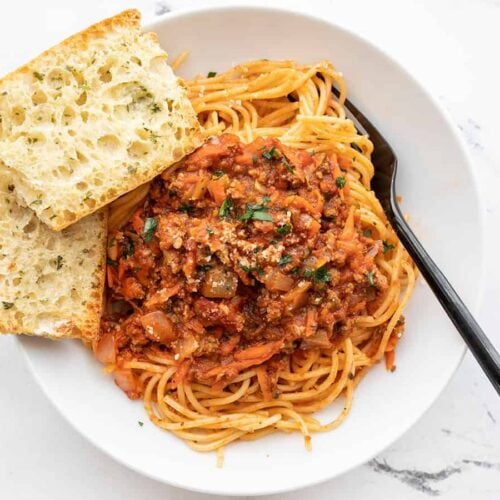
x,y
297,297
276,281
105,351
187,345
219,283
159,327
319,340
125,380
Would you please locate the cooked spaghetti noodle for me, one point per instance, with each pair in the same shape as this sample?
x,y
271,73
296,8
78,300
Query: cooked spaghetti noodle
x,y
207,406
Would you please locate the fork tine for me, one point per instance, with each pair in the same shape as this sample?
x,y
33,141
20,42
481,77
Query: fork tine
x,y
383,158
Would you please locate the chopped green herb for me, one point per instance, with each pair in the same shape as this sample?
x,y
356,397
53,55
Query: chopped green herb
x,y
270,154
257,211
210,231
356,147
249,269
387,246
36,202
254,159
204,267
257,249
211,74
7,305
59,262
150,225
263,216
140,423
38,76
340,181
370,277
286,163
225,208
187,208
218,173
111,242
155,107
367,233
284,229
128,249
320,275
286,259
294,271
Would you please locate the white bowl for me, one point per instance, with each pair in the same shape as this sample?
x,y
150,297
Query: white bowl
x,y
439,192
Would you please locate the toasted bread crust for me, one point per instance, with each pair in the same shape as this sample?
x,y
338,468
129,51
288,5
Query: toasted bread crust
x,y
52,282
36,145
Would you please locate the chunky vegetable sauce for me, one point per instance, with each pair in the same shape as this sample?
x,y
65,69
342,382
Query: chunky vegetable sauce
x,y
240,256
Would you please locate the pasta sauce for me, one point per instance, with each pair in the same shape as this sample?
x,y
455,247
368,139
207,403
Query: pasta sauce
x,y
241,256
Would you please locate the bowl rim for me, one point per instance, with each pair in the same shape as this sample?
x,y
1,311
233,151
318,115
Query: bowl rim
x,y
151,24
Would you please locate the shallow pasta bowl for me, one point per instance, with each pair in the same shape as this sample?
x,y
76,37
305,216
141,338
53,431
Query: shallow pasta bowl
x,y
439,191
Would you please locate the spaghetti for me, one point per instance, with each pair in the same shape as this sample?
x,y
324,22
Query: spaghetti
x,y
252,384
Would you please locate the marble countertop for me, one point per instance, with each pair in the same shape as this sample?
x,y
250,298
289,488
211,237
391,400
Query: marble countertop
x,y
453,452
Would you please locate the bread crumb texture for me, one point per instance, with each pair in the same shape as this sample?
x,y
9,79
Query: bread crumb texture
x,y
51,283
91,119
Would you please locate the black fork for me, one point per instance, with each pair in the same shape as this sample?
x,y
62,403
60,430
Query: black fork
x,y
383,184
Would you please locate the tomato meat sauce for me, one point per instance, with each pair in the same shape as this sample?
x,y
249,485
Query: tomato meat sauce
x,y
241,256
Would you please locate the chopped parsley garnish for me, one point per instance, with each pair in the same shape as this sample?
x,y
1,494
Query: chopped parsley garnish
x,y
36,202
257,211
7,305
204,267
155,107
187,208
111,242
59,262
225,208
140,423
367,233
387,246
211,74
38,76
254,159
128,248
356,147
286,259
210,231
320,275
284,229
150,225
286,163
270,154
371,278
218,173
294,271
249,269
340,181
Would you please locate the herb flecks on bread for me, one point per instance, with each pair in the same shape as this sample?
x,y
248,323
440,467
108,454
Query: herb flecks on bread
x,y
91,119
51,282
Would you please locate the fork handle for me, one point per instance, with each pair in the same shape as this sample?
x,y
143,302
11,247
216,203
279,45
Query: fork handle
x,y
477,341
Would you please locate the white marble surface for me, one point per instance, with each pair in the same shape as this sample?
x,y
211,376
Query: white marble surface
x,y
454,450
